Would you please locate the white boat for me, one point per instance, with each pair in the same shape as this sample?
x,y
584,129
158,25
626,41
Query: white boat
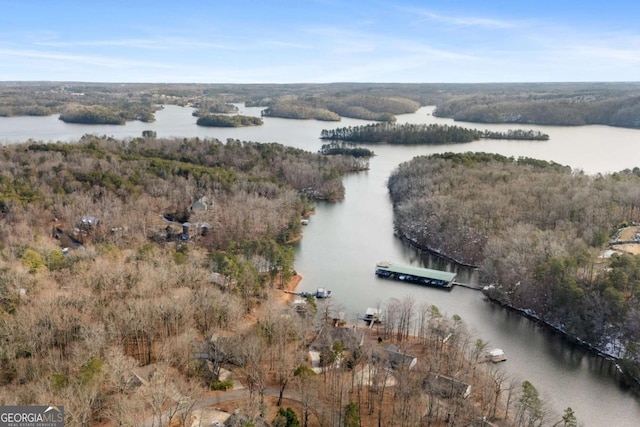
x,y
373,315
322,293
496,355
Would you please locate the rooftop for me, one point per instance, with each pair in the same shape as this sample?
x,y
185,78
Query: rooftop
x,y
417,271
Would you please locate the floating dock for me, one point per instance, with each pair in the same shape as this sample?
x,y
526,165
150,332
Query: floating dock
x,y
320,293
421,276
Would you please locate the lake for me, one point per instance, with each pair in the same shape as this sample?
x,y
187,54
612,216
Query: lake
x,y
344,240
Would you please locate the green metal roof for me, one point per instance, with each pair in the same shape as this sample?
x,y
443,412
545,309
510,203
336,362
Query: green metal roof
x,y
417,271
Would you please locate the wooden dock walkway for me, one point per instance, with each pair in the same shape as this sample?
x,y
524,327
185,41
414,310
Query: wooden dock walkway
x,y
468,285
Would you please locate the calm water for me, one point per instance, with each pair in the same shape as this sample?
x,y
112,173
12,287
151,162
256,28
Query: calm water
x,y
344,240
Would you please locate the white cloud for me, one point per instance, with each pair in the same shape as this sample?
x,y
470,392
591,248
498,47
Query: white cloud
x,y
84,59
160,43
467,21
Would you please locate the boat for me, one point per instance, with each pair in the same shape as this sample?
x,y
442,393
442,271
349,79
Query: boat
x,y
496,355
373,315
322,293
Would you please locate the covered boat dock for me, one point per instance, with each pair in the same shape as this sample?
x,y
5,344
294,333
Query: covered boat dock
x,y
418,275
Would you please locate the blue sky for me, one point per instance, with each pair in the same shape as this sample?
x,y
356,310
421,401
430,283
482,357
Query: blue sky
x,y
238,41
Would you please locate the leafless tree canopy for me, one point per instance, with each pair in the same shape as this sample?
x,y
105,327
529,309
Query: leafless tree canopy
x,y
536,230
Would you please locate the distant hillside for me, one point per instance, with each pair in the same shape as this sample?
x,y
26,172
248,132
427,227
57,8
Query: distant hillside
x,y
613,104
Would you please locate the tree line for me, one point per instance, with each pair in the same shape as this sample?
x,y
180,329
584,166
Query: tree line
x,y
407,133
301,112
322,107
105,115
568,109
529,135
536,230
84,306
220,120
83,303
214,106
614,104
335,147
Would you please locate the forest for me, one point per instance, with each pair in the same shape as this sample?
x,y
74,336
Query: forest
x,y
117,255
407,133
105,115
220,120
300,112
574,109
537,231
614,104
135,274
345,148
98,275
214,106
359,106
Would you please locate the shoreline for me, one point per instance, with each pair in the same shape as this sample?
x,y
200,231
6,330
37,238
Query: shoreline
x,y
402,236
625,378
285,295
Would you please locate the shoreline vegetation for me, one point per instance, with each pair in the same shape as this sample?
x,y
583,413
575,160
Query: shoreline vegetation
x,y
344,148
220,120
113,238
413,134
114,289
569,104
108,262
441,201
106,115
363,106
628,376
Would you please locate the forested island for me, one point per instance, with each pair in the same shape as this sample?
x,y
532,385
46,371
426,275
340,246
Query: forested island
x,y
342,148
358,106
300,112
213,106
613,104
220,120
104,115
407,133
537,231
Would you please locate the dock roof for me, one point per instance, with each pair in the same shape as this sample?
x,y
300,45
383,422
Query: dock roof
x,y
417,271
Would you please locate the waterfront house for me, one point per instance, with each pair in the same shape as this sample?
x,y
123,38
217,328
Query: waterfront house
x,y
398,359
445,386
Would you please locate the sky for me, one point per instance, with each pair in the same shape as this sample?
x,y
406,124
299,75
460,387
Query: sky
x,y
320,41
